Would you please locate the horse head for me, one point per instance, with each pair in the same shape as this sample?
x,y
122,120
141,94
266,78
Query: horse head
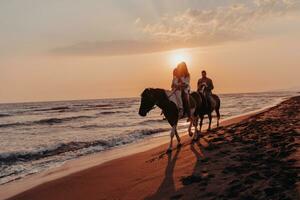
x,y
147,102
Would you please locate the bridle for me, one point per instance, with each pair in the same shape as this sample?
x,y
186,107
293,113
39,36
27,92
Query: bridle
x,y
153,107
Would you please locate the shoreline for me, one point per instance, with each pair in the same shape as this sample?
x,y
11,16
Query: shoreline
x,y
95,160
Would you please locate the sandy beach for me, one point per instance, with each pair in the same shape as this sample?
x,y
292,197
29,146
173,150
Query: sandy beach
x,y
251,157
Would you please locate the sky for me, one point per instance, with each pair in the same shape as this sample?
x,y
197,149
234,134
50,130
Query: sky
x,y
78,49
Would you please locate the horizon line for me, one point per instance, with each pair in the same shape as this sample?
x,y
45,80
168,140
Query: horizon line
x,y
108,98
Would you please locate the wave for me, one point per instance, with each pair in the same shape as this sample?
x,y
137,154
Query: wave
x,y
92,126
150,121
48,121
145,132
12,125
93,106
108,125
4,115
101,105
133,136
111,112
104,107
13,157
51,121
54,108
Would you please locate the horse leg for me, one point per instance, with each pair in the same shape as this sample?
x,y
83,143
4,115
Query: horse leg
x,y
196,124
171,136
196,128
209,125
177,137
190,129
201,122
218,117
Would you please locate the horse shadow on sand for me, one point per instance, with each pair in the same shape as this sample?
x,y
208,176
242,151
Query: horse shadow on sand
x,y
168,184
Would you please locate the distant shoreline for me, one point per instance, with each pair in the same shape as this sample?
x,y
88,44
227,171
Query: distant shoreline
x,y
112,98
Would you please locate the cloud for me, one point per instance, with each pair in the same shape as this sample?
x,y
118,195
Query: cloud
x,y
190,28
217,25
116,47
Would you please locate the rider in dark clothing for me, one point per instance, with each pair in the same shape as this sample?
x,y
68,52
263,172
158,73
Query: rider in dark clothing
x,y
209,86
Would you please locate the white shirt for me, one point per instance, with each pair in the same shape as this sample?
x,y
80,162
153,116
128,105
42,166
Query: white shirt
x,y
186,82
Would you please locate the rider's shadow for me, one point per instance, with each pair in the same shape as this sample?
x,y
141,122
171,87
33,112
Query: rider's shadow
x,y
168,184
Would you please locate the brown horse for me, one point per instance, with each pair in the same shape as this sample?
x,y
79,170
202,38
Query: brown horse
x,y
157,97
205,108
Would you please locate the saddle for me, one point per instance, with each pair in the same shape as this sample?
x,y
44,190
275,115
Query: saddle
x,y
175,97
209,101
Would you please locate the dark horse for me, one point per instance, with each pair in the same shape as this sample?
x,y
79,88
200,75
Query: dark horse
x,y
205,108
158,97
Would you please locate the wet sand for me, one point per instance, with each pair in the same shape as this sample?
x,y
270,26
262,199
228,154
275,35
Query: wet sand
x,y
254,157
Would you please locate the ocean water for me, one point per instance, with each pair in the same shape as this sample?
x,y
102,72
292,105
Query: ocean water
x,y
38,136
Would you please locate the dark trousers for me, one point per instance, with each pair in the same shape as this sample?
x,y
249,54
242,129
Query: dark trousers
x,y
186,103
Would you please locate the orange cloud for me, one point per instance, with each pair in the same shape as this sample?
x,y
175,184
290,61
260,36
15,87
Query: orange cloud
x,y
217,25
191,28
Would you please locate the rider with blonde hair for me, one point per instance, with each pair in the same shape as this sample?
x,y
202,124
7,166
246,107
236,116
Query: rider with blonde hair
x,y
176,90
184,82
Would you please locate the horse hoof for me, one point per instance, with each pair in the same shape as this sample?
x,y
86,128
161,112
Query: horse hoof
x,y
190,134
179,145
169,150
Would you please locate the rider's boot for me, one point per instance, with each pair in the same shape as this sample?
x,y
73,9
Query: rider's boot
x,y
188,109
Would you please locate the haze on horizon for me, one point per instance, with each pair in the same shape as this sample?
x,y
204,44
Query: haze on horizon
x,y
76,49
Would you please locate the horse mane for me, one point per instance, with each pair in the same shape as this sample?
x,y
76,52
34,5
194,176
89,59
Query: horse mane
x,y
159,93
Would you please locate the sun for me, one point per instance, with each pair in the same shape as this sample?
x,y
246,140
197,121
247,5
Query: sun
x,y
179,56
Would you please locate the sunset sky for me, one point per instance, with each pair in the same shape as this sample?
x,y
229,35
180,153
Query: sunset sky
x,y
88,49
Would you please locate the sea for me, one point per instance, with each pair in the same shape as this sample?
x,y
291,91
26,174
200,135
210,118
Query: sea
x,y
35,137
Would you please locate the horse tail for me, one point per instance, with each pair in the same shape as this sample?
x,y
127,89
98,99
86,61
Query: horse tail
x,y
218,105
